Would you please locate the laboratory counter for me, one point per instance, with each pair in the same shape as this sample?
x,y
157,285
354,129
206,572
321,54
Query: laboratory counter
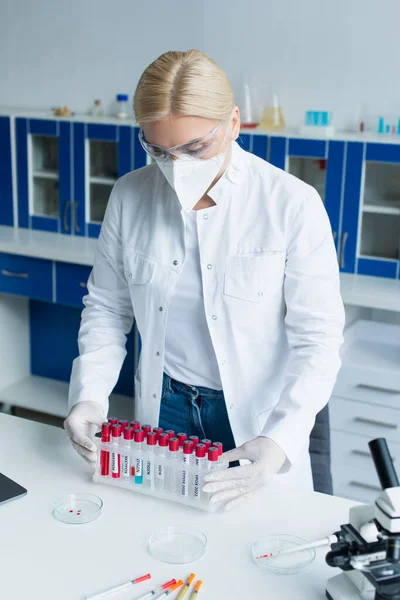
x,y
44,558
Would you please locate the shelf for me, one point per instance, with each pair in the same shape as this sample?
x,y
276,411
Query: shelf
x,y
381,209
103,180
51,397
46,173
373,346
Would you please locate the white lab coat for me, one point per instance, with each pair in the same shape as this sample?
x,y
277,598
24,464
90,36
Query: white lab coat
x,y
272,300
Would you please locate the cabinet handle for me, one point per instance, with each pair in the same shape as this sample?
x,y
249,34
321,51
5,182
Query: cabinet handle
x,y
377,388
366,454
365,486
17,275
74,210
83,285
343,248
366,421
66,207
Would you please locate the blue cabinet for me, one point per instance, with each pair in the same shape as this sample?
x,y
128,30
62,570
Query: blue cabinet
x,y
255,143
6,197
71,283
26,276
43,149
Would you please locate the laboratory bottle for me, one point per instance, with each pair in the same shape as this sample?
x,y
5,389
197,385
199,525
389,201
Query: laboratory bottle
x,y
151,443
122,106
187,461
173,464
138,447
125,458
163,441
248,101
272,117
115,455
104,455
97,110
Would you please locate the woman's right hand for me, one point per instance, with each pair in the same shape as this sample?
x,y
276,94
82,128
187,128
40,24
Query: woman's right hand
x,y
83,421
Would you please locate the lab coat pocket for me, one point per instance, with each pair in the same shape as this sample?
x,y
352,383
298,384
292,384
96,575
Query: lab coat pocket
x,y
139,269
252,275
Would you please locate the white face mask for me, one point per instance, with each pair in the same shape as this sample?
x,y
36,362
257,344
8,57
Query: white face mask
x,y
191,177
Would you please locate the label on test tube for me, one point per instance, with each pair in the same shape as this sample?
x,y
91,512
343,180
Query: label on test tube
x,y
186,459
139,438
149,467
116,456
199,462
104,455
172,468
163,442
125,458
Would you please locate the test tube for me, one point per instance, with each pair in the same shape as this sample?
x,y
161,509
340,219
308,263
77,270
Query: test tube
x,y
207,443
139,438
113,420
125,458
157,430
173,458
115,456
220,446
187,461
146,429
200,462
194,439
151,442
182,438
104,455
213,455
124,423
135,425
170,432
163,441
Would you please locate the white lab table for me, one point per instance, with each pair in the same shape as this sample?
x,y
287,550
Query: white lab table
x,y
43,558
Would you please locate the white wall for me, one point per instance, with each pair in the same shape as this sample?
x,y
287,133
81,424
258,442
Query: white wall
x,y
320,54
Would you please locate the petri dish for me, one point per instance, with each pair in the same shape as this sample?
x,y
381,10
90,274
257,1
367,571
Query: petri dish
x,y
77,509
177,545
284,564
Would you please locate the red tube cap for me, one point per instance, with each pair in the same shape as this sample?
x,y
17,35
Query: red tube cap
x,y
163,440
139,435
207,443
151,438
128,433
146,429
188,447
201,450
194,439
135,425
158,430
213,454
116,430
113,420
106,428
124,423
170,432
181,437
218,445
174,444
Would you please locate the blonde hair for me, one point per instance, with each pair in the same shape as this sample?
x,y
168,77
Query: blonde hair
x,y
184,83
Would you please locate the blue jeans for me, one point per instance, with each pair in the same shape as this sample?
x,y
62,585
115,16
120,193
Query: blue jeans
x,y
195,411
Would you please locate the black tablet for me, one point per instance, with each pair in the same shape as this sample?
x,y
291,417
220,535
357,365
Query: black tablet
x,y
10,490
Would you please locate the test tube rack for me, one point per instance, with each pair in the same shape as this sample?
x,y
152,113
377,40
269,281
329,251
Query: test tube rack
x,y
180,482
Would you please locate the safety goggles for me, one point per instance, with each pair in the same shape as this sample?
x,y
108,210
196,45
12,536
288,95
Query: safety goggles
x,y
195,149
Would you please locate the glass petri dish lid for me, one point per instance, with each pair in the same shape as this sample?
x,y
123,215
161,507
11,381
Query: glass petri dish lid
x,y
77,509
282,564
177,544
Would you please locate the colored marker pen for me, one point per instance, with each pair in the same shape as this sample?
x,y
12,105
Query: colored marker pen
x,y
125,458
146,429
139,439
151,443
116,456
163,441
200,462
135,425
186,460
173,458
104,455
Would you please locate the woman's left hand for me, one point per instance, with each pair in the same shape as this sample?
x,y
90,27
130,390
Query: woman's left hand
x,y
239,483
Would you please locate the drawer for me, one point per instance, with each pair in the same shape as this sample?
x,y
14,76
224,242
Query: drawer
x,y
349,450
26,276
356,485
365,419
71,283
365,385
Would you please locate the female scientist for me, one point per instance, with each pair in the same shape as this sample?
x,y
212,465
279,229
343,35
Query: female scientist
x,y
229,268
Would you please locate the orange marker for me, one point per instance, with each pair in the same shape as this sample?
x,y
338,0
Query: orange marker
x,y
187,586
196,590
171,589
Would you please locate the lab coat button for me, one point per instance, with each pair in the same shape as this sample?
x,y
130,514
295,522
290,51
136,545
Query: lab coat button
x,y
175,262
205,217
160,309
232,406
154,395
209,267
157,354
130,275
215,317
223,363
261,293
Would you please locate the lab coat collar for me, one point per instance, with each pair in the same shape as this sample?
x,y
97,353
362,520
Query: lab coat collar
x,y
231,175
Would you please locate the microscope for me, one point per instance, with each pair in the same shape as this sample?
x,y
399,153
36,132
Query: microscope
x,y
368,547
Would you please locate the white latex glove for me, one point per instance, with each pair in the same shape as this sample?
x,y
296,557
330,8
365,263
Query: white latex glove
x,y
239,483
84,419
